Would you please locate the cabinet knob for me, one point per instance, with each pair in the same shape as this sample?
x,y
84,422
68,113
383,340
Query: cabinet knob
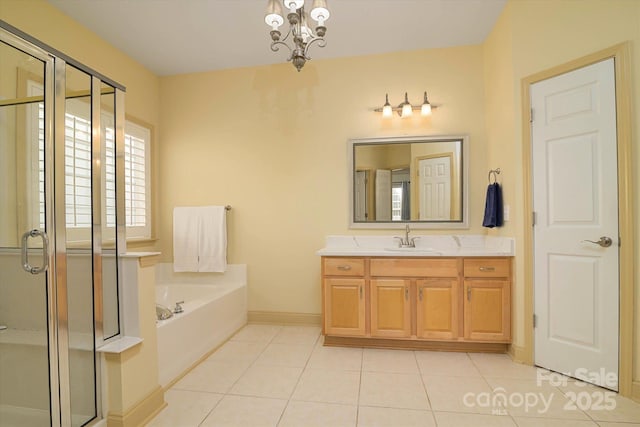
x,y
344,267
406,293
420,294
487,269
360,291
468,293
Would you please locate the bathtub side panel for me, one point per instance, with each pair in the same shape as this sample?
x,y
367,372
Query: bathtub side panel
x,y
191,335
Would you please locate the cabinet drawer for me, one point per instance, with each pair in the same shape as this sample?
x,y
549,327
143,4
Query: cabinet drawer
x,y
343,266
407,267
487,267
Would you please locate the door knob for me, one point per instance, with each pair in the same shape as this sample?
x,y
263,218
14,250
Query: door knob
x,y
604,241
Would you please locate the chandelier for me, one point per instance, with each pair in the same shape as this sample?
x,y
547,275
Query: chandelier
x,y
300,34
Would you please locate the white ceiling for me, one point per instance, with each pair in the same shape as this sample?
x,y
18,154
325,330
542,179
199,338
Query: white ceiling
x,y
184,36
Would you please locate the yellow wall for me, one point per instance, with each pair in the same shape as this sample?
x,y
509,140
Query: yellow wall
x,y
532,36
272,143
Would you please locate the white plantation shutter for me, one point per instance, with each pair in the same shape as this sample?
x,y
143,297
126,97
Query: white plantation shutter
x,y
137,180
41,164
110,178
77,161
136,171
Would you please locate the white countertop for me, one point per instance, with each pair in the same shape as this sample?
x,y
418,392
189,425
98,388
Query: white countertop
x,y
426,246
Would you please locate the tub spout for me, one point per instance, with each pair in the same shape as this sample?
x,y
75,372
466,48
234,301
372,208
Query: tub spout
x,y
162,312
178,308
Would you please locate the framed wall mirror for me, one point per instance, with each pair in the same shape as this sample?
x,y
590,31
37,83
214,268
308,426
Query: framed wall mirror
x,y
419,180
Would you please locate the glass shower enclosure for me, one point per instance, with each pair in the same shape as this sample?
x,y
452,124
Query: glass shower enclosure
x,y
61,170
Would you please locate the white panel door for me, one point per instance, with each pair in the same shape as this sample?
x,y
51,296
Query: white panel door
x,y
383,195
434,180
575,199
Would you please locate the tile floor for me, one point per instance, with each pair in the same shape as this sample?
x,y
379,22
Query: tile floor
x,y
283,376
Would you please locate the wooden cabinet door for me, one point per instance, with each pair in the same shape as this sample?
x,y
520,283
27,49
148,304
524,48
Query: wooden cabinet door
x,y
487,310
390,308
437,314
344,309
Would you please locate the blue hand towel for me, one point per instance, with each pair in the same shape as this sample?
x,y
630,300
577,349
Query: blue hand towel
x,y
493,212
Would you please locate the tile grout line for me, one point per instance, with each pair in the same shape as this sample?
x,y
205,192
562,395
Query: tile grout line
x,y
228,392
293,390
424,386
359,386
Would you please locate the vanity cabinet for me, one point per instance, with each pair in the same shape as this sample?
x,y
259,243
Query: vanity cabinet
x,y
416,302
487,302
438,313
344,296
390,308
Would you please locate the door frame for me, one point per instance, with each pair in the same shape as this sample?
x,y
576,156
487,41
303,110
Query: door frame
x,y
621,55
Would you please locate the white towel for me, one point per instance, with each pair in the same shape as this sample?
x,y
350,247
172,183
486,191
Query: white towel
x,y
200,239
186,223
212,246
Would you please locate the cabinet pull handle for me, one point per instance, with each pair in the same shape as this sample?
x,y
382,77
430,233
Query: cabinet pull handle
x,y
406,293
468,293
420,294
344,267
487,269
360,291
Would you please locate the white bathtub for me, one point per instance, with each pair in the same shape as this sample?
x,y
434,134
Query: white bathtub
x,y
215,307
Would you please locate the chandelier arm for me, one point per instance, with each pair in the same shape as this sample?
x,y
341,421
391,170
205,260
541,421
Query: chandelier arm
x,y
286,36
275,48
319,40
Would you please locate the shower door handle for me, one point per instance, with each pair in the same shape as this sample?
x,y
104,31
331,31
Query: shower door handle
x,y
25,252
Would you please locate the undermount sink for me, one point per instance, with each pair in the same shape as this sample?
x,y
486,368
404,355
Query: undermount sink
x,y
422,250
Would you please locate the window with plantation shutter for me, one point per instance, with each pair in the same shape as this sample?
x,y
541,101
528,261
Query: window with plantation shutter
x,y
78,173
136,181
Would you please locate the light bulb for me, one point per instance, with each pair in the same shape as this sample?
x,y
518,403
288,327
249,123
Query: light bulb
x,y
305,30
387,111
274,15
293,5
407,110
426,106
320,11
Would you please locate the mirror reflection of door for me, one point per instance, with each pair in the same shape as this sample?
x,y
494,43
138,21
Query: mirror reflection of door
x,y
383,195
362,178
434,187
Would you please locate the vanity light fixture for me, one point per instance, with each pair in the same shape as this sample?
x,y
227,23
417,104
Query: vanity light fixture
x,y
299,33
406,109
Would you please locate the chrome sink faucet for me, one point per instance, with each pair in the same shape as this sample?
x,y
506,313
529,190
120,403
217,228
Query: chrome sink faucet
x,y
406,242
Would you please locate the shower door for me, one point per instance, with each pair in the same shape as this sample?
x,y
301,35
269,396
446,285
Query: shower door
x,y
27,303
59,123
